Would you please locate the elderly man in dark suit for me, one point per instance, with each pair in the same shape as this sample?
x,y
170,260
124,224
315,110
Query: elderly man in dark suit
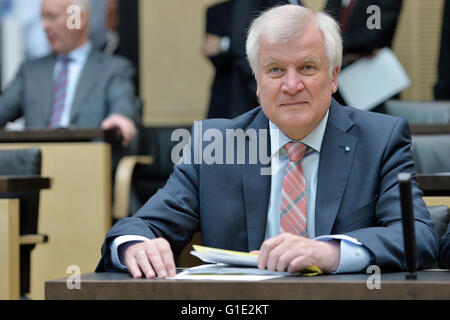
x,y
76,85
332,198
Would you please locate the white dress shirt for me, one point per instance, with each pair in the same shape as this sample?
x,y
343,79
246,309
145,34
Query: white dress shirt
x,y
78,59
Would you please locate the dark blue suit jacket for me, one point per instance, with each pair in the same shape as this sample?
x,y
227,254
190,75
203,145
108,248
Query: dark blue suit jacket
x,y
444,254
357,193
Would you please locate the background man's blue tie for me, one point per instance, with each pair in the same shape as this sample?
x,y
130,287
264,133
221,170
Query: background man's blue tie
x,y
59,94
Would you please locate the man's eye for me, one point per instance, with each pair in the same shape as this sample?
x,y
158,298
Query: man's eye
x,y
309,68
275,69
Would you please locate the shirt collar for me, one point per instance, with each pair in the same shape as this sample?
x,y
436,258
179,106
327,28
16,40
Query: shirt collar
x,y
313,139
80,54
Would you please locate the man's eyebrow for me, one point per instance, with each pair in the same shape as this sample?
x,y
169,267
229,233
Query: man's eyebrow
x,y
312,60
269,63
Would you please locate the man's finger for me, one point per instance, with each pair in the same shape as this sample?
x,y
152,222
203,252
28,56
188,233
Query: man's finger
x,y
133,267
157,263
265,249
144,264
299,263
167,260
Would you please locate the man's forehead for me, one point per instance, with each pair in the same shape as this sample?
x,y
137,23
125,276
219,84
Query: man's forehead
x,y
309,45
57,3
269,60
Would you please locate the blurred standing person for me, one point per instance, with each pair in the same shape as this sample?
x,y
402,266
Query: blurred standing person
x,y
442,87
127,24
360,41
216,47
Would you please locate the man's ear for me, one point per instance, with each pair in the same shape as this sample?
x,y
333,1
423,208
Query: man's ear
x,y
258,93
334,79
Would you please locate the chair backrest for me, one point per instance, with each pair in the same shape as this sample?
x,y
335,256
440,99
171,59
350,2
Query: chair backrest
x,y
155,142
436,189
431,153
440,216
432,112
20,162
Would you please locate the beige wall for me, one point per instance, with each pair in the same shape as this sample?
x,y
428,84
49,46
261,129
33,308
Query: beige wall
x,y
175,77
417,45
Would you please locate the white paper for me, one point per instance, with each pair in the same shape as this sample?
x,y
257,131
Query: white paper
x,y
220,257
223,272
370,81
221,277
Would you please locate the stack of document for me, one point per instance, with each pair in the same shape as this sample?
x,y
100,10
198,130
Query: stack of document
x,y
232,265
370,81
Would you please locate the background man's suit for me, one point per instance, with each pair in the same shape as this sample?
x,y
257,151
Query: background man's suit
x,y
218,23
357,193
105,87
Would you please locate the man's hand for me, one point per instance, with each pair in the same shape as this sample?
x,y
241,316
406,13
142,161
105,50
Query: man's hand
x,y
211,45
152,258
288,252
125,125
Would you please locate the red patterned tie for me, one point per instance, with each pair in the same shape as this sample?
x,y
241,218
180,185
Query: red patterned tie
x,y
293,194
345,14
59,94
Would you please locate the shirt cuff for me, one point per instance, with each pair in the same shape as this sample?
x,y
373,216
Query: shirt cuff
x,y
224,44
354,256
120,244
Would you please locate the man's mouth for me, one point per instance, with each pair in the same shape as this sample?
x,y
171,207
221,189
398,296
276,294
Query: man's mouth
x,y
292,103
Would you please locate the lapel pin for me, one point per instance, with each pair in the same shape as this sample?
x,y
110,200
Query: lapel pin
x,y
346,148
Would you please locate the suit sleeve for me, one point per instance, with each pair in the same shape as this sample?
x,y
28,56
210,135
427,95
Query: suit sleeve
x,y
172,213
385,240
120,92
11,103
444,254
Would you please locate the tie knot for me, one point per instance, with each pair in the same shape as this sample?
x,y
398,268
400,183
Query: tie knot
x,y
65,59
296,151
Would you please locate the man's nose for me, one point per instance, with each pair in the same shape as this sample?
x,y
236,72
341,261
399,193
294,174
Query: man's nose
x,y
293,82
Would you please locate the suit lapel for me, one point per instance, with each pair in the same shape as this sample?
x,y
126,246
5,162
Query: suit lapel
x,y
256,187
46,89
85,82
336,157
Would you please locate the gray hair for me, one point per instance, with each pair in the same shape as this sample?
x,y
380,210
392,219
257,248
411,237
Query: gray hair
x,y
287,22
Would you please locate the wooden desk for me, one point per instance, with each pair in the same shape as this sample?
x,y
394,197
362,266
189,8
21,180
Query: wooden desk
x,y
432,285
9,230
437,184
23,183
76,211
417,128
60,135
